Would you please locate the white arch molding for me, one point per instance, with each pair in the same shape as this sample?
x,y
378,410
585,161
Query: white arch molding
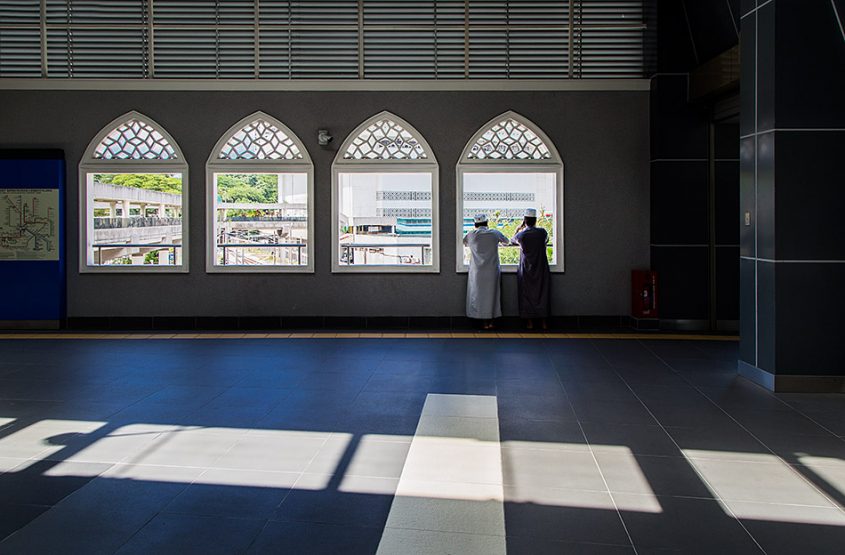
x,y
131,143
385,143
258,143
510,144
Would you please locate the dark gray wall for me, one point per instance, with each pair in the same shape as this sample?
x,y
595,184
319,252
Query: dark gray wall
x,y
602,137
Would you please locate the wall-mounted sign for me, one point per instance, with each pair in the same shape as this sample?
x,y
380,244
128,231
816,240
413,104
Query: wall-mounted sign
x,y
29,224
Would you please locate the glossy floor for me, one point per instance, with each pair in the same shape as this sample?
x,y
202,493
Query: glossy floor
x,y
400,445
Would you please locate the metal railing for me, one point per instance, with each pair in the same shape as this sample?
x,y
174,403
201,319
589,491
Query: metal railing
x,y
266,219
227,246
138,221
348,257
171,260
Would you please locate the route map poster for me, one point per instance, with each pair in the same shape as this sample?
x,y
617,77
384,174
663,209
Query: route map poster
x,y
29,224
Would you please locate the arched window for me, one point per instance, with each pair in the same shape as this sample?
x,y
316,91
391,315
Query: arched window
x,y
133,187
507,166
384,200
259,180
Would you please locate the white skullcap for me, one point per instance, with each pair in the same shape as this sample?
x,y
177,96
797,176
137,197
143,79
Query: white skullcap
x,y
530,212
480,218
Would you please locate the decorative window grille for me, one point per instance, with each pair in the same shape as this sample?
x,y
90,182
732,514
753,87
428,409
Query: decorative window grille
x,y
509,165
322,39
404,212
134,140
506,140
502,212
260,140
256,147
376,161
133,146
403,195
385,139
499,197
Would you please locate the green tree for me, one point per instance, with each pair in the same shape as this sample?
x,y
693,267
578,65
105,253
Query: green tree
x,y
161,182
261,187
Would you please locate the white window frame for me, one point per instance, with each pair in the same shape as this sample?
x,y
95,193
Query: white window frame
x,y
89,165
427,165
216,165
553,164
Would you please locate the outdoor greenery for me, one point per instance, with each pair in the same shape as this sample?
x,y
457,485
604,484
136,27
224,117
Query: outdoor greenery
x,y
161,182
238,187
263,187
508,226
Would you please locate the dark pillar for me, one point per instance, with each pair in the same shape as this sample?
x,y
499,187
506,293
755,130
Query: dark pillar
x,y
679,177
792,201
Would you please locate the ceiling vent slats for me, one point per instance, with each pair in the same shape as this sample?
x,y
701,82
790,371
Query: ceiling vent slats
x,y
322,39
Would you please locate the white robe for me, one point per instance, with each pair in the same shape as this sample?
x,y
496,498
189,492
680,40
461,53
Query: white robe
x,y
483,285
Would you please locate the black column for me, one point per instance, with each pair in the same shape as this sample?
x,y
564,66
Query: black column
x,y
792,201
679,177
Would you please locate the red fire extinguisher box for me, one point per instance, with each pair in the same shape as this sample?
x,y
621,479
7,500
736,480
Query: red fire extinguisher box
x,y
643,294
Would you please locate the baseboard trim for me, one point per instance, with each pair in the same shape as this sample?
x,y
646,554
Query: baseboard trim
x,y
30,324
585,323
756,375
791,383
809,384
684,325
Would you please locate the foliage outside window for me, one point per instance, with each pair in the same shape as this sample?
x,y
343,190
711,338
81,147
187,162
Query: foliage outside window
x,y
260,200
132,199
510,165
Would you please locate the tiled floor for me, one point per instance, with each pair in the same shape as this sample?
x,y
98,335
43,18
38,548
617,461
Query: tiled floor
x,y
409,445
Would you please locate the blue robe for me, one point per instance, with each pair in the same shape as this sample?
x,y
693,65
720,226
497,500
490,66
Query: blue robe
x,y
532,275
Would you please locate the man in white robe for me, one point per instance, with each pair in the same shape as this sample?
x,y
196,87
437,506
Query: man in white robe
x,y
483,285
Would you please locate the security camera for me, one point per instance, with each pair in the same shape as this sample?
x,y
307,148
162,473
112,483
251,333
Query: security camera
x,y
323,137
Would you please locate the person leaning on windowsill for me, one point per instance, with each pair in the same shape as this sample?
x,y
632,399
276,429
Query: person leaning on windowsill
x,y
484,283
532,274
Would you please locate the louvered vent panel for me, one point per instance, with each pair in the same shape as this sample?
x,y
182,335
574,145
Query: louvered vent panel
x,y
608,12
274,54
20,12
236,51
20,53
488,54
399,12
94,12
611,53
324,39
186,53
483,12
274,12
450,12
539,13
97,53
449,53
399,54
538,54
323,13
324,54
609,39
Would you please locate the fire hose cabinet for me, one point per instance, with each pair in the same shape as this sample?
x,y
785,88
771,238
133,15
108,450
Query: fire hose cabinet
x,y
643,294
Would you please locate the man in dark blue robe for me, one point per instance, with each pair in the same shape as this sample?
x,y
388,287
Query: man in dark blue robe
x,y
532,276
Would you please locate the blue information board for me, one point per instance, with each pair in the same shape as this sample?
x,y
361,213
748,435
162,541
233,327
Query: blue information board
x,y
32,238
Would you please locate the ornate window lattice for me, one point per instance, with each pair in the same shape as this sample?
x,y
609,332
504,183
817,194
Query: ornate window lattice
x,y
517,213
509,140
499,197
260,140
385,140
403,195
404,212
134,140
